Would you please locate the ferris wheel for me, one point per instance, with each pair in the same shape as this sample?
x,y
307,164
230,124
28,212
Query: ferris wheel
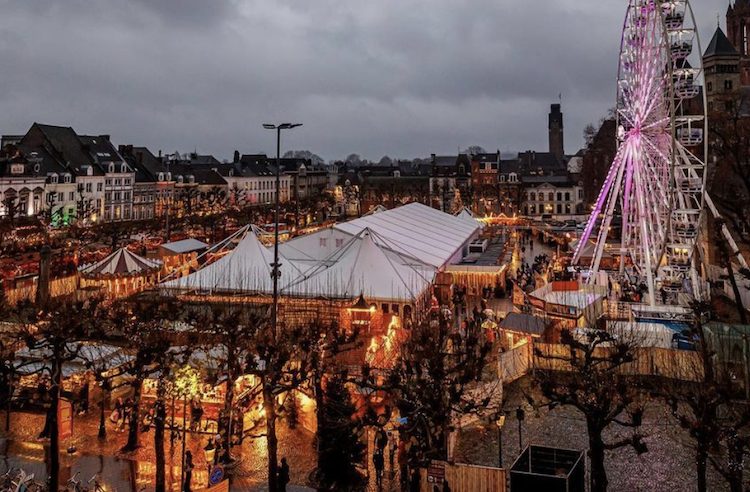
x,y
648,214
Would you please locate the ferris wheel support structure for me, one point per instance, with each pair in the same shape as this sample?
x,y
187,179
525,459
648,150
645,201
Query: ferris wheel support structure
x,y
655,187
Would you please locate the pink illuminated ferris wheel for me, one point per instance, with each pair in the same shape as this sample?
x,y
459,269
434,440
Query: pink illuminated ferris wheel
x,y
648,214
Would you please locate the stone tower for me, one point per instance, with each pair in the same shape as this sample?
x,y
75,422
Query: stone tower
x,y
556,146
721,63
738,32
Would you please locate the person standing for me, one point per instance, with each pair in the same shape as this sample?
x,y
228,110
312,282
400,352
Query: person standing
x,y
379,463
188,471
283,477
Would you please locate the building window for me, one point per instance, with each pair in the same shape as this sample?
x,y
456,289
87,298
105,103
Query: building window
x,y
551,196
727,85
580,194
559,196
709,86
118,182
108,182
89,187
567,196
532,196
71,196
67,178
559,208
127,181
60,196
111,167
98,187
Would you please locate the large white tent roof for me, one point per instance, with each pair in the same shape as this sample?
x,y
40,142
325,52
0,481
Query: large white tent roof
x,y
363,267
417,230
246,269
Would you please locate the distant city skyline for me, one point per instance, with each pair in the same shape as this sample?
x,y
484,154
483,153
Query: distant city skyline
x,y
403,79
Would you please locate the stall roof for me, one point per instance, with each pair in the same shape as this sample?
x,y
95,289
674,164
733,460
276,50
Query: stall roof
x,y
363,267
121,262
417,230
185,246
247,269
524,323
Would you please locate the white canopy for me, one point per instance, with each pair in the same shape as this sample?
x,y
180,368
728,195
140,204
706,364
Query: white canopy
x,y
468,217
418,231
364,267
121,262
246,269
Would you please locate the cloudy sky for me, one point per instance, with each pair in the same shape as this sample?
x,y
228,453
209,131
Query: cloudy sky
x,y
404,78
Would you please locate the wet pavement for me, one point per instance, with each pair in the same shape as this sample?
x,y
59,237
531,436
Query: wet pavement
x,y
135,471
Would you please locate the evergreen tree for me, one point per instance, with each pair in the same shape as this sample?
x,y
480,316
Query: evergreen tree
x,y
339,446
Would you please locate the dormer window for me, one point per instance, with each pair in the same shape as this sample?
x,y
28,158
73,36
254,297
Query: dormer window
x,y
67,178
124,168
179,179
191,179
513,177
502,178
111,167
462,169
169,176
161,176
53,178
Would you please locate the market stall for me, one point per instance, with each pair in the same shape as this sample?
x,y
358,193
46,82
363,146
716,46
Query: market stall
x,y
120,274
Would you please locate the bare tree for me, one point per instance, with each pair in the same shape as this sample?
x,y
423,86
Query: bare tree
x,y
54,332
586,373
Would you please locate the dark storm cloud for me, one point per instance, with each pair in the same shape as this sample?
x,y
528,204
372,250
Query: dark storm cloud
x,y
398,77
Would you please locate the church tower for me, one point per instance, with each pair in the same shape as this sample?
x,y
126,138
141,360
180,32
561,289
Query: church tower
x,y
738,32
556,145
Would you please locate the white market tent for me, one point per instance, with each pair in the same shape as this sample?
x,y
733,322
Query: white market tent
x,y
418,231
184,246
121,262
246,269
364,267
466,215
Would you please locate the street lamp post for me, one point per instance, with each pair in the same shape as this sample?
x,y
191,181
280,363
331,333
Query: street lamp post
x,y
500,422
520,415
275,266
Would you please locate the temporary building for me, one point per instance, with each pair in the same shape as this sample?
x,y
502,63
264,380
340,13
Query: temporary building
x,y
418,231
364,267
121,273
466,215
244,270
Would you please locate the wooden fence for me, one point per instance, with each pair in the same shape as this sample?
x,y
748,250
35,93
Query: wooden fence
x,y
682,365
463,478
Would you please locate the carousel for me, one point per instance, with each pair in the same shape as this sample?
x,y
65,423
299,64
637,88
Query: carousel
x,y
120,274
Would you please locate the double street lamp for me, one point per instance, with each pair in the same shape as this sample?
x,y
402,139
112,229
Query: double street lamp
x,y
275,266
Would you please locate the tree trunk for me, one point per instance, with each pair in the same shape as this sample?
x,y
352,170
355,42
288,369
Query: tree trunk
x,y
596,456
54,442
318,388
701,457
269,404
160,418
102,421
134,424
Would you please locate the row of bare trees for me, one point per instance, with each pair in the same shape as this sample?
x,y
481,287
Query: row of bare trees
x,y
234,340
591,374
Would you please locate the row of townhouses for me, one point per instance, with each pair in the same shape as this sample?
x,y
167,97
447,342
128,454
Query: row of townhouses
x,y
67,177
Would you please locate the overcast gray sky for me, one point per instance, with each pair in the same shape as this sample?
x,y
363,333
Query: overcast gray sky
x,y
400,77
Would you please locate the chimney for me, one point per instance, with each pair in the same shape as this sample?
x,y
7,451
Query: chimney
x,y
236,156
159,153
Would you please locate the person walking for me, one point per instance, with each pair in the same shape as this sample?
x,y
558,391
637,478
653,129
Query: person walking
x,y
379,463
188,471
283,476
